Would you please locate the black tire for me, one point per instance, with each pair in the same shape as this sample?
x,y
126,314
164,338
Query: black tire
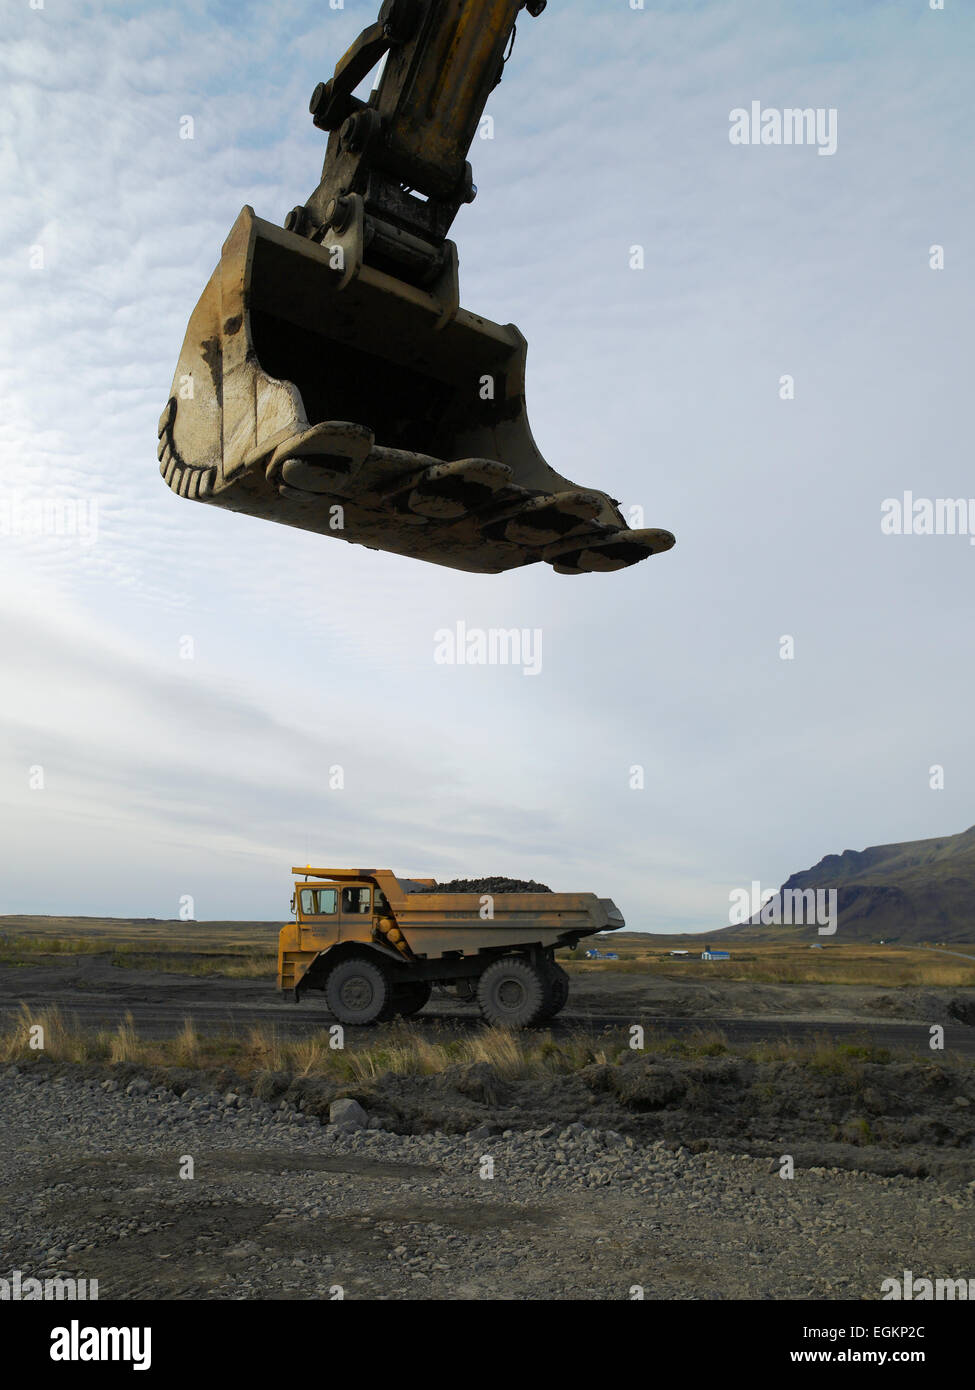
x,y
358,991
558,992
512,993
410,998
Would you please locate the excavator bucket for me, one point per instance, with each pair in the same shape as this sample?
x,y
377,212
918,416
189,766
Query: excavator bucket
x,y
359,407
329,378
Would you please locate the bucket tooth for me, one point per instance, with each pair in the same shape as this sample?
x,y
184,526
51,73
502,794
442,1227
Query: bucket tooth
x,y
448,491
608,553
389,473
333,447
549,518
319,460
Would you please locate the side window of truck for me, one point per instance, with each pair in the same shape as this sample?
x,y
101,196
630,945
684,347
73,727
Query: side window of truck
x,y
355,900
307,902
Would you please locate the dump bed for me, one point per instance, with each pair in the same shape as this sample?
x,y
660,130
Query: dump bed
x,y
436,923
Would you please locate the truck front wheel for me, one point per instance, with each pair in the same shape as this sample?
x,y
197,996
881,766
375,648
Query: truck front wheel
x,y
512,993
357,991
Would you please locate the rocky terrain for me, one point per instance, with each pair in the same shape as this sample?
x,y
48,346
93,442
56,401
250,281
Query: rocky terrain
x,y
498,884
283,1206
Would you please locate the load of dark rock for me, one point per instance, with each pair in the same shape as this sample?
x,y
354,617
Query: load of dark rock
x,y
488,885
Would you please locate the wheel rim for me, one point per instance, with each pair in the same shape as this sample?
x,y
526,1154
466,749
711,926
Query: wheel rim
x,y
511,994
357,994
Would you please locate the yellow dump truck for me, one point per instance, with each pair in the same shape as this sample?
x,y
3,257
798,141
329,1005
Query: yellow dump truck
x,y
375,945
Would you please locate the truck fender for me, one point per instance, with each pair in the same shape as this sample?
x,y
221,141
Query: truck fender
x,y
332,955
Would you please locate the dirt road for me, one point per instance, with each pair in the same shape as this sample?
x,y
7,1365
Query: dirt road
x,y
99,995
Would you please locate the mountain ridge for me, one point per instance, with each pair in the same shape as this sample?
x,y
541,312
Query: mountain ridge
x,y
914,890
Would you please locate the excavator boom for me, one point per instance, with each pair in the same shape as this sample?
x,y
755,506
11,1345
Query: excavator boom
x,y
329,378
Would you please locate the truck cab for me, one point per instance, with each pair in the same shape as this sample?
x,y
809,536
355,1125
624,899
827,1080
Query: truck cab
x,y
326,913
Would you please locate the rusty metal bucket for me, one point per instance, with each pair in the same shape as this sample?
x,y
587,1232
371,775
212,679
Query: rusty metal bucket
x,y
321,392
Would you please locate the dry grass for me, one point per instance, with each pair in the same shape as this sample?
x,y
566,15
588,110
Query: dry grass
x,y
46,1034
14,948
246,963
241,962
887,967
403,1049
406,1051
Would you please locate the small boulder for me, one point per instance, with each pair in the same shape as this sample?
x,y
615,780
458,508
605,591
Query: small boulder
x,y
347,1112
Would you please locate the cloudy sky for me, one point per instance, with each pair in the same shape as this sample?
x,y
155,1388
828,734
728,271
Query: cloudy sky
x,y
138,767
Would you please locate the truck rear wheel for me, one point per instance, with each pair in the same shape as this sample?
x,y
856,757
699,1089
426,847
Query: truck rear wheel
x,y
558,992
358,991
512,993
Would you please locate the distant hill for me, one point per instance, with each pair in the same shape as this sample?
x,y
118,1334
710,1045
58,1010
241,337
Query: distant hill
x,y
921,890
112,930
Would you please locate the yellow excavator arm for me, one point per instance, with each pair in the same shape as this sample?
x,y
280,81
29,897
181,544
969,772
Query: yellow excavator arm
x,y
441,63
329,378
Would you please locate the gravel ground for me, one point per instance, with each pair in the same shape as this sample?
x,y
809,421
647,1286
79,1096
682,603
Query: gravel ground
x,y
282,1206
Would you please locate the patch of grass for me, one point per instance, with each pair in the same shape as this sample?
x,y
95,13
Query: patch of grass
x,y
186,1047
240,961
825,1055
840,1059
403,1049
16,950
796,963
47,1034
124,1045
407,1049
246,964
700,1042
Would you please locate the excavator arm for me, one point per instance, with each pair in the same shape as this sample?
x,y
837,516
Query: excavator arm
x,y
412,138
329,378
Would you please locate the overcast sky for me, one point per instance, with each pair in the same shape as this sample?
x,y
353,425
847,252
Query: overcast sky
x,y
131,776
